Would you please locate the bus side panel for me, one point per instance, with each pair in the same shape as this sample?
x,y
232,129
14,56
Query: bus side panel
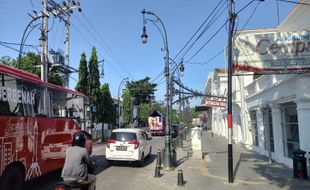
x,y
56,137
17,140
38,143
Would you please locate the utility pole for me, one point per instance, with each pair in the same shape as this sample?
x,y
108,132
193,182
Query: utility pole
x,y
69,6
67,45
61,11
232,17
44,43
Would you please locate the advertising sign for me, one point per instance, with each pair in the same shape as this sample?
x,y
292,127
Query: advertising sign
x,y
268,51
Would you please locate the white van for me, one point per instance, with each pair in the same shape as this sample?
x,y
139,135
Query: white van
x,y
128,144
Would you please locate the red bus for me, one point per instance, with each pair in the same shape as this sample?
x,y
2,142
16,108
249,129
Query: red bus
x,y
37,122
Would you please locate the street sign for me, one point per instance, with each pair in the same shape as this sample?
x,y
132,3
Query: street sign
x,y
215,103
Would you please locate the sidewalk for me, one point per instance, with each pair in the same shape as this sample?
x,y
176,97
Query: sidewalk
x,y
251,170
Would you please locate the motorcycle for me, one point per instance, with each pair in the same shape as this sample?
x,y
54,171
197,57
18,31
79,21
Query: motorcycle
x,y
76,185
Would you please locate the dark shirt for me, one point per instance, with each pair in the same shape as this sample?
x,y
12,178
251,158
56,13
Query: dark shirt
x,y
76,165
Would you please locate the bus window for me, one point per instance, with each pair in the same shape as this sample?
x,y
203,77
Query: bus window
x,y
59,105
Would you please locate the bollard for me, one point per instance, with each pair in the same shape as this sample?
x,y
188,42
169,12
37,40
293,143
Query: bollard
x,y
211,133
157,171
187,154
180,178
158,158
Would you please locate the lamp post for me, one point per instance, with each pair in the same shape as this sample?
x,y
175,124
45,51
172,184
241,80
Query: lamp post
x,y
118,100
34,18
168,165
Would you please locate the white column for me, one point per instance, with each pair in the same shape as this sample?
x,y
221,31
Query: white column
x,y
277,132
303,112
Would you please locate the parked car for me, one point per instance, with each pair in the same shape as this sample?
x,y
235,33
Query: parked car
x,y
128,144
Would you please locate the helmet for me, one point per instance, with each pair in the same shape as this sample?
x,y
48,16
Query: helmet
x,y
79,140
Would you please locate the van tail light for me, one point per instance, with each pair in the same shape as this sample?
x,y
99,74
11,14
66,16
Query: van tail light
x,y
135,142
110,141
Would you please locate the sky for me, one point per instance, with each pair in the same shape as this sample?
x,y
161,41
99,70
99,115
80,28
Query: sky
x,y
114,27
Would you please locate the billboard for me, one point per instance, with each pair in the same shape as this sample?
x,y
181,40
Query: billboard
x,y
268,51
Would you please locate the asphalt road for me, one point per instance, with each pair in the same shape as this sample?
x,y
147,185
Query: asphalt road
x,y
119,176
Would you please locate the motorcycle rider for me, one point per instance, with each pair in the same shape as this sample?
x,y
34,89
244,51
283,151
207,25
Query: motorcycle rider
x,y
78,166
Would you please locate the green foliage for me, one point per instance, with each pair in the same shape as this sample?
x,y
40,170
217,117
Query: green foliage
x,y
82,85
142,90
195,114
30,62
94,82
145,111
106,108
7,60
55,79
127,107
175,117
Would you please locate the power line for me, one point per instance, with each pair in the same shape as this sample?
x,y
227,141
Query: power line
x,y
294,2
198,29
208,41
204,30
92,46
211,22
110,51
217,32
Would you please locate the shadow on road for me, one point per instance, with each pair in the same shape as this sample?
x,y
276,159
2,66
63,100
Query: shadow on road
x,y
148,160
46,182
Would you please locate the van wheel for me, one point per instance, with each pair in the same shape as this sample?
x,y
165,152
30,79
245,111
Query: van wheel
x,y
141,162
13,179
110,162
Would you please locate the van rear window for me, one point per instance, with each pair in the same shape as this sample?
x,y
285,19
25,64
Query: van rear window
x,y
123,136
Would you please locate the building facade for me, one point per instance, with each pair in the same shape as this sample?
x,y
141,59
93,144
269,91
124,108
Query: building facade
x,y
270,112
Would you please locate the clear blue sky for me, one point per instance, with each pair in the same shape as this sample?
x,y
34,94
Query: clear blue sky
x,y
118,27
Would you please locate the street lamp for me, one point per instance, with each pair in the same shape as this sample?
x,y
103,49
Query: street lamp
x,y
34,18
118,100
168,165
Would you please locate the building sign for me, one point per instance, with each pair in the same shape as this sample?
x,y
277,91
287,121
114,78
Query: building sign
x,y
268,51
215,103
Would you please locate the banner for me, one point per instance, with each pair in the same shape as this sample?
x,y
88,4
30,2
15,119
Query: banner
x,y
267,51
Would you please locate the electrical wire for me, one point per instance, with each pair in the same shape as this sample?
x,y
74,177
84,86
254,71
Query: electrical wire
x,y
107,47
198,29
92,46
196,32
212,21
294,2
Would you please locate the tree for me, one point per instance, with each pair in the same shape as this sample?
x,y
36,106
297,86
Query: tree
x,y
142,90
7,60
145,111
94,82
55,79
106,108
82,85
30,62
127,107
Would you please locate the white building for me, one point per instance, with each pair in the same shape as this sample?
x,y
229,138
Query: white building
x,y
270,112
